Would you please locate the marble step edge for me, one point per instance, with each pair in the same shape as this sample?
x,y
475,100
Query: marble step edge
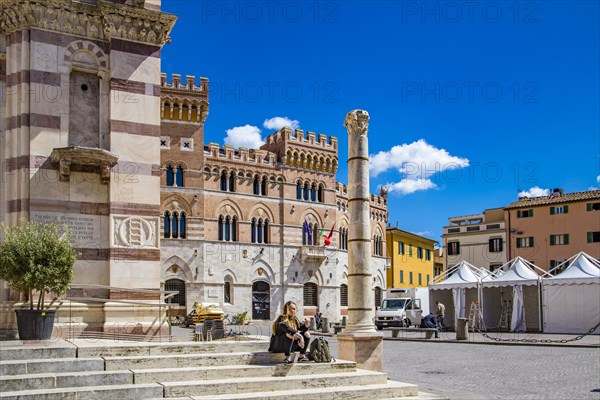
x,y
14,383
206,372
236,386
45,365
391,389
130,392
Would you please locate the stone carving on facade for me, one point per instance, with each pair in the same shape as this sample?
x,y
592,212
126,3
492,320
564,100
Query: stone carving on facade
x,y
135,232
105,20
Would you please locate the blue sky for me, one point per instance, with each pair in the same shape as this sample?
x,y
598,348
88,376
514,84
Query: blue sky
x,y
471,103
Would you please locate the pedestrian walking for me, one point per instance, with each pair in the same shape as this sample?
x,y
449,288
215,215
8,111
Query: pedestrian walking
x,y
440,313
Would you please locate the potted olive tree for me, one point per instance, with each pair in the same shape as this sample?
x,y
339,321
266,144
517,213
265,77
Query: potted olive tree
x,y
37,257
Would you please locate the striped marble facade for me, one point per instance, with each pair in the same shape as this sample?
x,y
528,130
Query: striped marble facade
x,y
86,76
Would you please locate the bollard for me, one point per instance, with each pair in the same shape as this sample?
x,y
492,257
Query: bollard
x,y
462,329
312,324
325,327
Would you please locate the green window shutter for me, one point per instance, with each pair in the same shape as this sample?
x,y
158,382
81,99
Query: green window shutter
x,y
518,213
518,243
532,241
590,237
552,240
566,241
590,207
552,210
530,213
565,209
401,276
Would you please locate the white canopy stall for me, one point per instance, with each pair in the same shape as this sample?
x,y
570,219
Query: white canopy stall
x,y
519,289
456,289
572,298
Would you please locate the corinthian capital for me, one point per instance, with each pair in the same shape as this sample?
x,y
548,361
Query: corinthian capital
x,y
357,122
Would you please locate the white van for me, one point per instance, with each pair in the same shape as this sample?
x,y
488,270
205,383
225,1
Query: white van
x,y
402,308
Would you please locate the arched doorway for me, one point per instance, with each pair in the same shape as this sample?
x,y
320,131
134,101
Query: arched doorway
x,y
179,285
261,300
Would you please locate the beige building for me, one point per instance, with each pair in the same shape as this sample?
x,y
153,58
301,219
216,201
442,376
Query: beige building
x,y
479,239
549,229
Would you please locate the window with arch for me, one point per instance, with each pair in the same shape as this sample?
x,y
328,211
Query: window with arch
x,y
179,176
377,296
313,192
314,230
344,238
377,245
167,225
174,225
227,182
259,230
263,186
306,191
227,228
178,285
232,182
321,194
256,185
299,190
227,298
170,175
311,298
343,295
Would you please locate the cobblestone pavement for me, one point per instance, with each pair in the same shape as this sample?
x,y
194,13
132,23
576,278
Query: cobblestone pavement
x,y
478,371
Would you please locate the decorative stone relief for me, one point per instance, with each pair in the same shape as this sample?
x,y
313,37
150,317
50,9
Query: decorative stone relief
x,y
135,232
102,21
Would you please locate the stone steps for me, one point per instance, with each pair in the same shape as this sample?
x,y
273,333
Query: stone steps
x,y
238,386
235,369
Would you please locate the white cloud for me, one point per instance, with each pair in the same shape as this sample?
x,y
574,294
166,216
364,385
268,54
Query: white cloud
x,y
417,162
408,186
598,179
277,123
535,192
244,136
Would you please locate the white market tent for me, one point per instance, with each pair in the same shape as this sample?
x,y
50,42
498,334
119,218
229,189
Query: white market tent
x,y
572,298
456,289
518,288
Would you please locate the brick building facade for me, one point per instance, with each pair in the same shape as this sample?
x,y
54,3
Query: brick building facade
x,y
232,219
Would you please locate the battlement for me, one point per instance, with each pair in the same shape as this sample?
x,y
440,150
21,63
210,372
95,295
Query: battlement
x,y
244,155
183,102
188,85
376,201
298,136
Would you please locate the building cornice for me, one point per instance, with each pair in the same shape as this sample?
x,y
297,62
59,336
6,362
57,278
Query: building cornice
x,y
104,21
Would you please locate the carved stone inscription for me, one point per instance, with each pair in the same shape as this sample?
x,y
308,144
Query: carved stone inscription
x,y
85,227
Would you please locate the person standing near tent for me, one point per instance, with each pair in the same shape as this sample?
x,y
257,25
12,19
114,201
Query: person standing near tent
x,y
440,313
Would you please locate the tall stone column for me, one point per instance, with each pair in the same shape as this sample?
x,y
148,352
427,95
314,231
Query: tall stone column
x,y
360,341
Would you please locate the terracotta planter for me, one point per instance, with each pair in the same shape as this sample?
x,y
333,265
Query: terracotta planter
x,y
35,324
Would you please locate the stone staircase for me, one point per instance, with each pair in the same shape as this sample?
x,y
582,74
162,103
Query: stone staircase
x,y
229,369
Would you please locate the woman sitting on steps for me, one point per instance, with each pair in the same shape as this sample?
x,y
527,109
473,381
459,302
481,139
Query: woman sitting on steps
x,y
289,335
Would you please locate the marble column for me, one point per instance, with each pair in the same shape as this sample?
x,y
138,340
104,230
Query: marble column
x,y
360,341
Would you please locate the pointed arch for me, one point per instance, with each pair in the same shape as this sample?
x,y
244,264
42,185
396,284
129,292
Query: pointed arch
x,y
183,269
232,210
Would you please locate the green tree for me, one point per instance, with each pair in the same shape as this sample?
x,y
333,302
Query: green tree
x,y
36,256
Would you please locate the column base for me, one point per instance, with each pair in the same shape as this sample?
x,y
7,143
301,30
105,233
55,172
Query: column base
x,y
366,349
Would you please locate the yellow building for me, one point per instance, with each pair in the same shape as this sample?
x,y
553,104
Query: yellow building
x,y
411,258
